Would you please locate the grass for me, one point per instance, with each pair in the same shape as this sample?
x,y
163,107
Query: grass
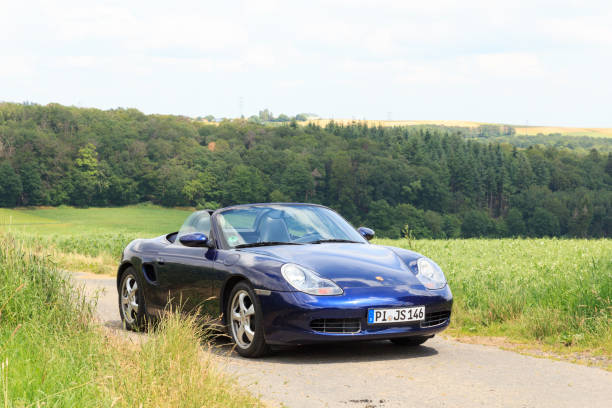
x,y
49,353
91,239
53,355
176,370
551,291
149,219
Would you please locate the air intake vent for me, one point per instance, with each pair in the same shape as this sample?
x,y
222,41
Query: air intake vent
x,y
149,272
336,325
435,318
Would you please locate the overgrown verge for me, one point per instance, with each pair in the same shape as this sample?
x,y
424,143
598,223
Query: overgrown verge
x,y
174,370
53,355
556,292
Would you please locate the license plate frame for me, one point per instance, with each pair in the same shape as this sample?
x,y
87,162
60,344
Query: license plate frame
x,y
396,315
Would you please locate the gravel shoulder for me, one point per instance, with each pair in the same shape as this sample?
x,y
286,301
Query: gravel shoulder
x,y
441,373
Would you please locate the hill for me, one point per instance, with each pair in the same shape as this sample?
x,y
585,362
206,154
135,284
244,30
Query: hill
x,y
422,180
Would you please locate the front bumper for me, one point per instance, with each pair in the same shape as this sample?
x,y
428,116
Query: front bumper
x,y
288,315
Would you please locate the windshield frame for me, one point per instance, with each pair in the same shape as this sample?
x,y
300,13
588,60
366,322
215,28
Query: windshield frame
x,y
222,242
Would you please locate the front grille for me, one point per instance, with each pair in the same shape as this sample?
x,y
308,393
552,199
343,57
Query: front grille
x,y
336,325
435,318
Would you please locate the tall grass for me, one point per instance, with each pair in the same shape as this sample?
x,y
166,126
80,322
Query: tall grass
x,y
176,371
550,290
49,354
52,354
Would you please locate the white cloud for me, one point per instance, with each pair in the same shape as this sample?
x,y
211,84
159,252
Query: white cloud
x,y
506,65
590,30
12,66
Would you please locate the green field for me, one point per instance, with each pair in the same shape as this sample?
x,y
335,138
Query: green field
x,y
146,219
556,292
91,239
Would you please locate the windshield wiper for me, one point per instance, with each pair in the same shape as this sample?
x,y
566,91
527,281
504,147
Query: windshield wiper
x,y
269,243
323,241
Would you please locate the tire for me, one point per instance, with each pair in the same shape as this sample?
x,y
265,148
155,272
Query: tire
x,y
411,341
245,321
131,301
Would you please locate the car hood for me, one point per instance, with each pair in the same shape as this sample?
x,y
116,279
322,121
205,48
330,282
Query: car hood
x,y
349,265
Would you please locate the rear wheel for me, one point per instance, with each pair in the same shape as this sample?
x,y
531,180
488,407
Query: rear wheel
x,y
131,301
245,321
411,341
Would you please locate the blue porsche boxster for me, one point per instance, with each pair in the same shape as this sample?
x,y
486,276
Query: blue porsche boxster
x,y
285,274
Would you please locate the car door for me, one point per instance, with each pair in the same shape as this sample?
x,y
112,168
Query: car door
x,y
185,274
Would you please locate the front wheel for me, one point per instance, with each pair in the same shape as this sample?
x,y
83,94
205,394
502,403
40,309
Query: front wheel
x,y
411,341
245,321
131,301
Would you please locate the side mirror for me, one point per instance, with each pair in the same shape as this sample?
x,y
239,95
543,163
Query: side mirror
x,y
196,239
366,232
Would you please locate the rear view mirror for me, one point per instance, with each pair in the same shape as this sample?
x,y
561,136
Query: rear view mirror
x,y
367,233
196,239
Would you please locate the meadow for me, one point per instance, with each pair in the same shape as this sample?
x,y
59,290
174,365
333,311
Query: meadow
x,y
88,239
65,220
555,292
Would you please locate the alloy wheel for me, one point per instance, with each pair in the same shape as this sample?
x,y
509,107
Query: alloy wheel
x,y
242,319
129,299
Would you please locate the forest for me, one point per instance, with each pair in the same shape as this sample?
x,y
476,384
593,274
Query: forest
x,y
421,182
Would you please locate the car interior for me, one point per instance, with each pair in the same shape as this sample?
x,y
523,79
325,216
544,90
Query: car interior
x,y
272,228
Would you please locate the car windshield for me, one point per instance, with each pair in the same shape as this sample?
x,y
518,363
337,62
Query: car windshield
x,y
276,224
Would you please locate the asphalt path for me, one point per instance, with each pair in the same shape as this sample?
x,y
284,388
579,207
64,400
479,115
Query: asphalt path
x,y
440,373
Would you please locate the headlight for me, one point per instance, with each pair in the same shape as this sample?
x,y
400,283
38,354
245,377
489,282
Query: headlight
x,y
308,281
430,274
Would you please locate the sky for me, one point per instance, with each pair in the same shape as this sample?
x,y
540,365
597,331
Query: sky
x,y
517,62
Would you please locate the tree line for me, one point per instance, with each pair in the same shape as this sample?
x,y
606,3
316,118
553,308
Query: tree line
x,y
408,181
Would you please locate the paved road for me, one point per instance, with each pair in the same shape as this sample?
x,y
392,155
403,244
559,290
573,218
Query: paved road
x,y
441,373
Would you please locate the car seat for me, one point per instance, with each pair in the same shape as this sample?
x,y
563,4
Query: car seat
x,y
273,230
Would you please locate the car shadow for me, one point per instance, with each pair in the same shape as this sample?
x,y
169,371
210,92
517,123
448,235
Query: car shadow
x,y
354,351
113,324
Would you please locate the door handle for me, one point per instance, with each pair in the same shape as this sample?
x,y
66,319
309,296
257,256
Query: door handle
x,y
160,260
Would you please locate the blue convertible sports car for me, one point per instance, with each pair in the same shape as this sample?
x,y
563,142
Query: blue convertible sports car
x,y
285,274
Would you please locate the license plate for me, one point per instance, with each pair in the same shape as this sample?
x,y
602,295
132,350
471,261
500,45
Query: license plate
x,y
403,314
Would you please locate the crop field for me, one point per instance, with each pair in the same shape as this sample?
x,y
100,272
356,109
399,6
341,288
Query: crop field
x,y
520,130
553,291
392,123
565,131
550,291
